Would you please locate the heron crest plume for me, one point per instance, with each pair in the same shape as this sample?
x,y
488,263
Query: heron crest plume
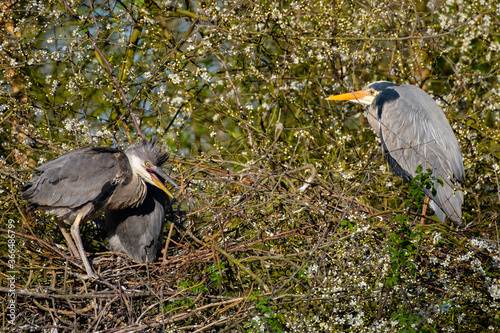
x,y
148,151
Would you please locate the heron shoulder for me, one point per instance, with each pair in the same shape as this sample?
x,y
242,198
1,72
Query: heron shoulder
x,y
415,120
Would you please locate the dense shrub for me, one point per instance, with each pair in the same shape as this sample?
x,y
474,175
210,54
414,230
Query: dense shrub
x,y
289,218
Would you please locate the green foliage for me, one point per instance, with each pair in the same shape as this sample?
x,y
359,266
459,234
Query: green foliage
x,y
178,306
403,245
402,248
407,321
216,272
349,225
422,180
268,319
194,287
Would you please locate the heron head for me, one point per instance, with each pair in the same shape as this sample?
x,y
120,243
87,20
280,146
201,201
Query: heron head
x,y
366,96
146,160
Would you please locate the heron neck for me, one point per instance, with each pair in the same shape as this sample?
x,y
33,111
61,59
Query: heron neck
x,y
138,185
131,194
373,119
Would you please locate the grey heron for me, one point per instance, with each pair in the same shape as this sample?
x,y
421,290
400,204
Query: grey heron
x,y
81,184
414,131
137,231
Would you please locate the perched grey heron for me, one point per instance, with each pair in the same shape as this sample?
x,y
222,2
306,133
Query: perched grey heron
x,y
84,183
415,131
137,231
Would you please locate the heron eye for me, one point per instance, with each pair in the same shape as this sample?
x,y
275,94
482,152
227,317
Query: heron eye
x,y
148,164
372,91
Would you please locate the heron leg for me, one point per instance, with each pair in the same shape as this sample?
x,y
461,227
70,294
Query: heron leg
x,y
424,209
69,240
75,232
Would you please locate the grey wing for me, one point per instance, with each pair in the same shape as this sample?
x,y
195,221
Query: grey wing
x,y
415,131
138,231
76,178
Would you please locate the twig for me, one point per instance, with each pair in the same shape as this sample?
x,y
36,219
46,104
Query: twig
x,y
110,70
168,242
101,294
238,103
240,266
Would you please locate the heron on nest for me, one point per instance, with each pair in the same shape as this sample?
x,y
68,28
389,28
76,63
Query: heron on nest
x,y
138,231
82,184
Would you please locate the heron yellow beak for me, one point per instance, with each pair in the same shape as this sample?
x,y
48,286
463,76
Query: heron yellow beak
x,y
161,186
352,96
158,182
